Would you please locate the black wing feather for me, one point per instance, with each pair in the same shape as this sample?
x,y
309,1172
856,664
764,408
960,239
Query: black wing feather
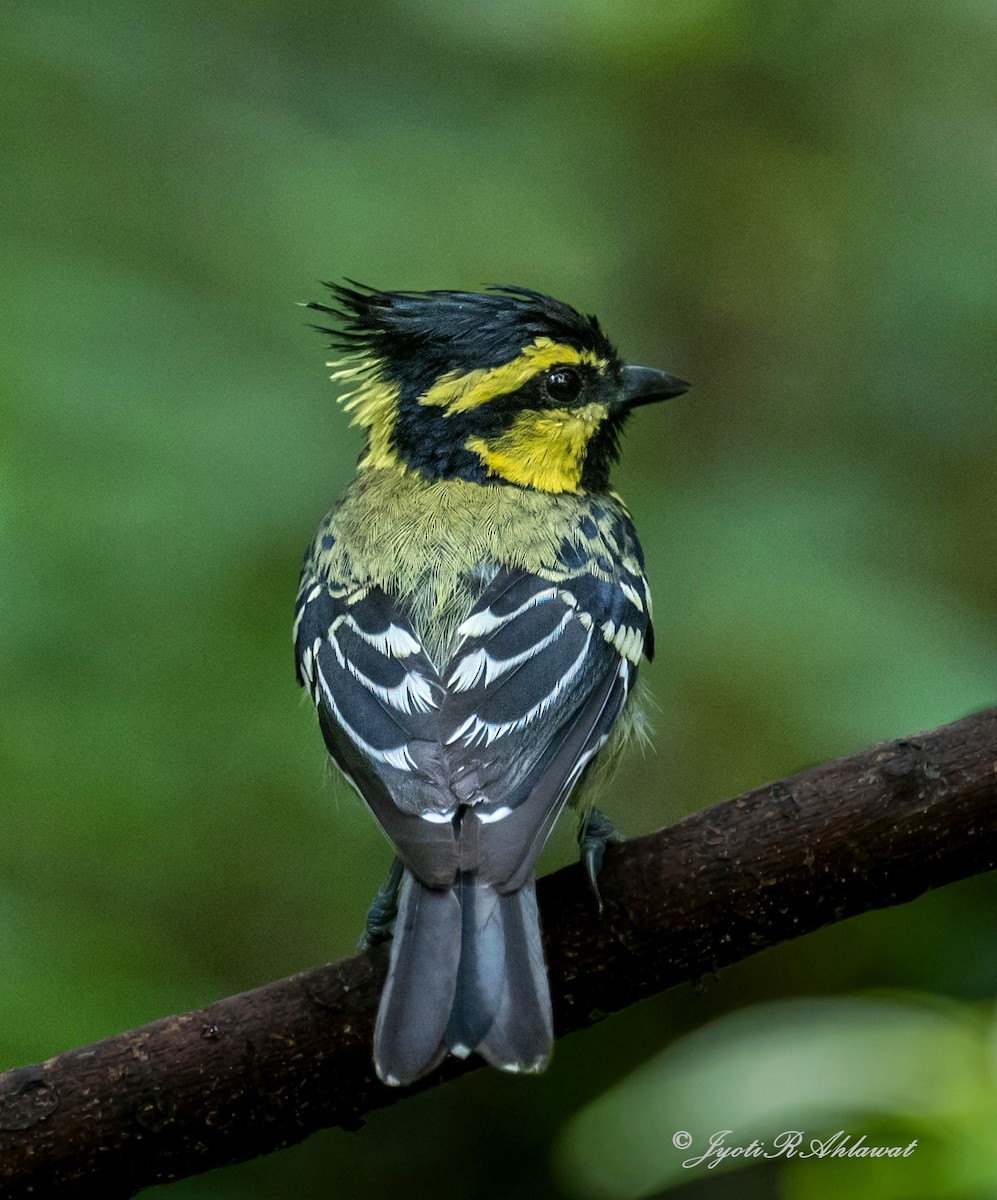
x,y
377,692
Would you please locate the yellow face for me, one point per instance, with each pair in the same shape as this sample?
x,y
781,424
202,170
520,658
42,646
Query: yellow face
x,y
509,422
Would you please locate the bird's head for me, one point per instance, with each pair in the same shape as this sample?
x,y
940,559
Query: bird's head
x,y
504,386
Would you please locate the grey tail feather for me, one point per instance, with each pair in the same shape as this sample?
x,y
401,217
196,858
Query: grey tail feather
x,y
501,1007
467,974
422,979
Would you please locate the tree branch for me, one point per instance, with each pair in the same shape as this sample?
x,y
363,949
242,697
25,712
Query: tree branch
x,y
265,1068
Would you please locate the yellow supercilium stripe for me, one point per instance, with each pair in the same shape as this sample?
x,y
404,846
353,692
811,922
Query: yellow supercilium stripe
x,y
461,392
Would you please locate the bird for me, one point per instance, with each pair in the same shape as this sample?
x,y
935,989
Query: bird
x,y
469,625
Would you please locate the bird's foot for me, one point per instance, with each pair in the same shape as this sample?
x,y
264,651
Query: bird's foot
x,y
383,909
595,832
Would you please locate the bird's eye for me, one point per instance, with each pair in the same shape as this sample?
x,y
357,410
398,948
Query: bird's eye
x,y
563,384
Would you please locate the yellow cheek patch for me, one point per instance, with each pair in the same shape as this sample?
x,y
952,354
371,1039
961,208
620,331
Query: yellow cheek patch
x,y
457,393
542,450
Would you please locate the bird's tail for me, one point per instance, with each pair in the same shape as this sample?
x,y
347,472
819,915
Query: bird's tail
x,y
467,975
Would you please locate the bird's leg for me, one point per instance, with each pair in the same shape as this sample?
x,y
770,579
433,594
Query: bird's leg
x,y
383,908
595,832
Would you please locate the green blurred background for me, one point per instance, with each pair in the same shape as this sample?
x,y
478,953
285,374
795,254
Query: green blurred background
x,y
790,204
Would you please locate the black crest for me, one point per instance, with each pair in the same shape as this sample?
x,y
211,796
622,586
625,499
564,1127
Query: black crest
x,y
432,333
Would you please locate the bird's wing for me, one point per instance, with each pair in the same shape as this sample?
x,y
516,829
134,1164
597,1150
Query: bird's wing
x,y
532,691
468,768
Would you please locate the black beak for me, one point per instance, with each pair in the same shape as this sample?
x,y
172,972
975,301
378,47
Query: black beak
x,y
645,385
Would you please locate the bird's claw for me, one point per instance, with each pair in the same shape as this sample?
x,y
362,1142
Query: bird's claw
x,y
595,832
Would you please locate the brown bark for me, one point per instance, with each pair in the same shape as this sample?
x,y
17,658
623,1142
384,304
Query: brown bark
x,y
263,1069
